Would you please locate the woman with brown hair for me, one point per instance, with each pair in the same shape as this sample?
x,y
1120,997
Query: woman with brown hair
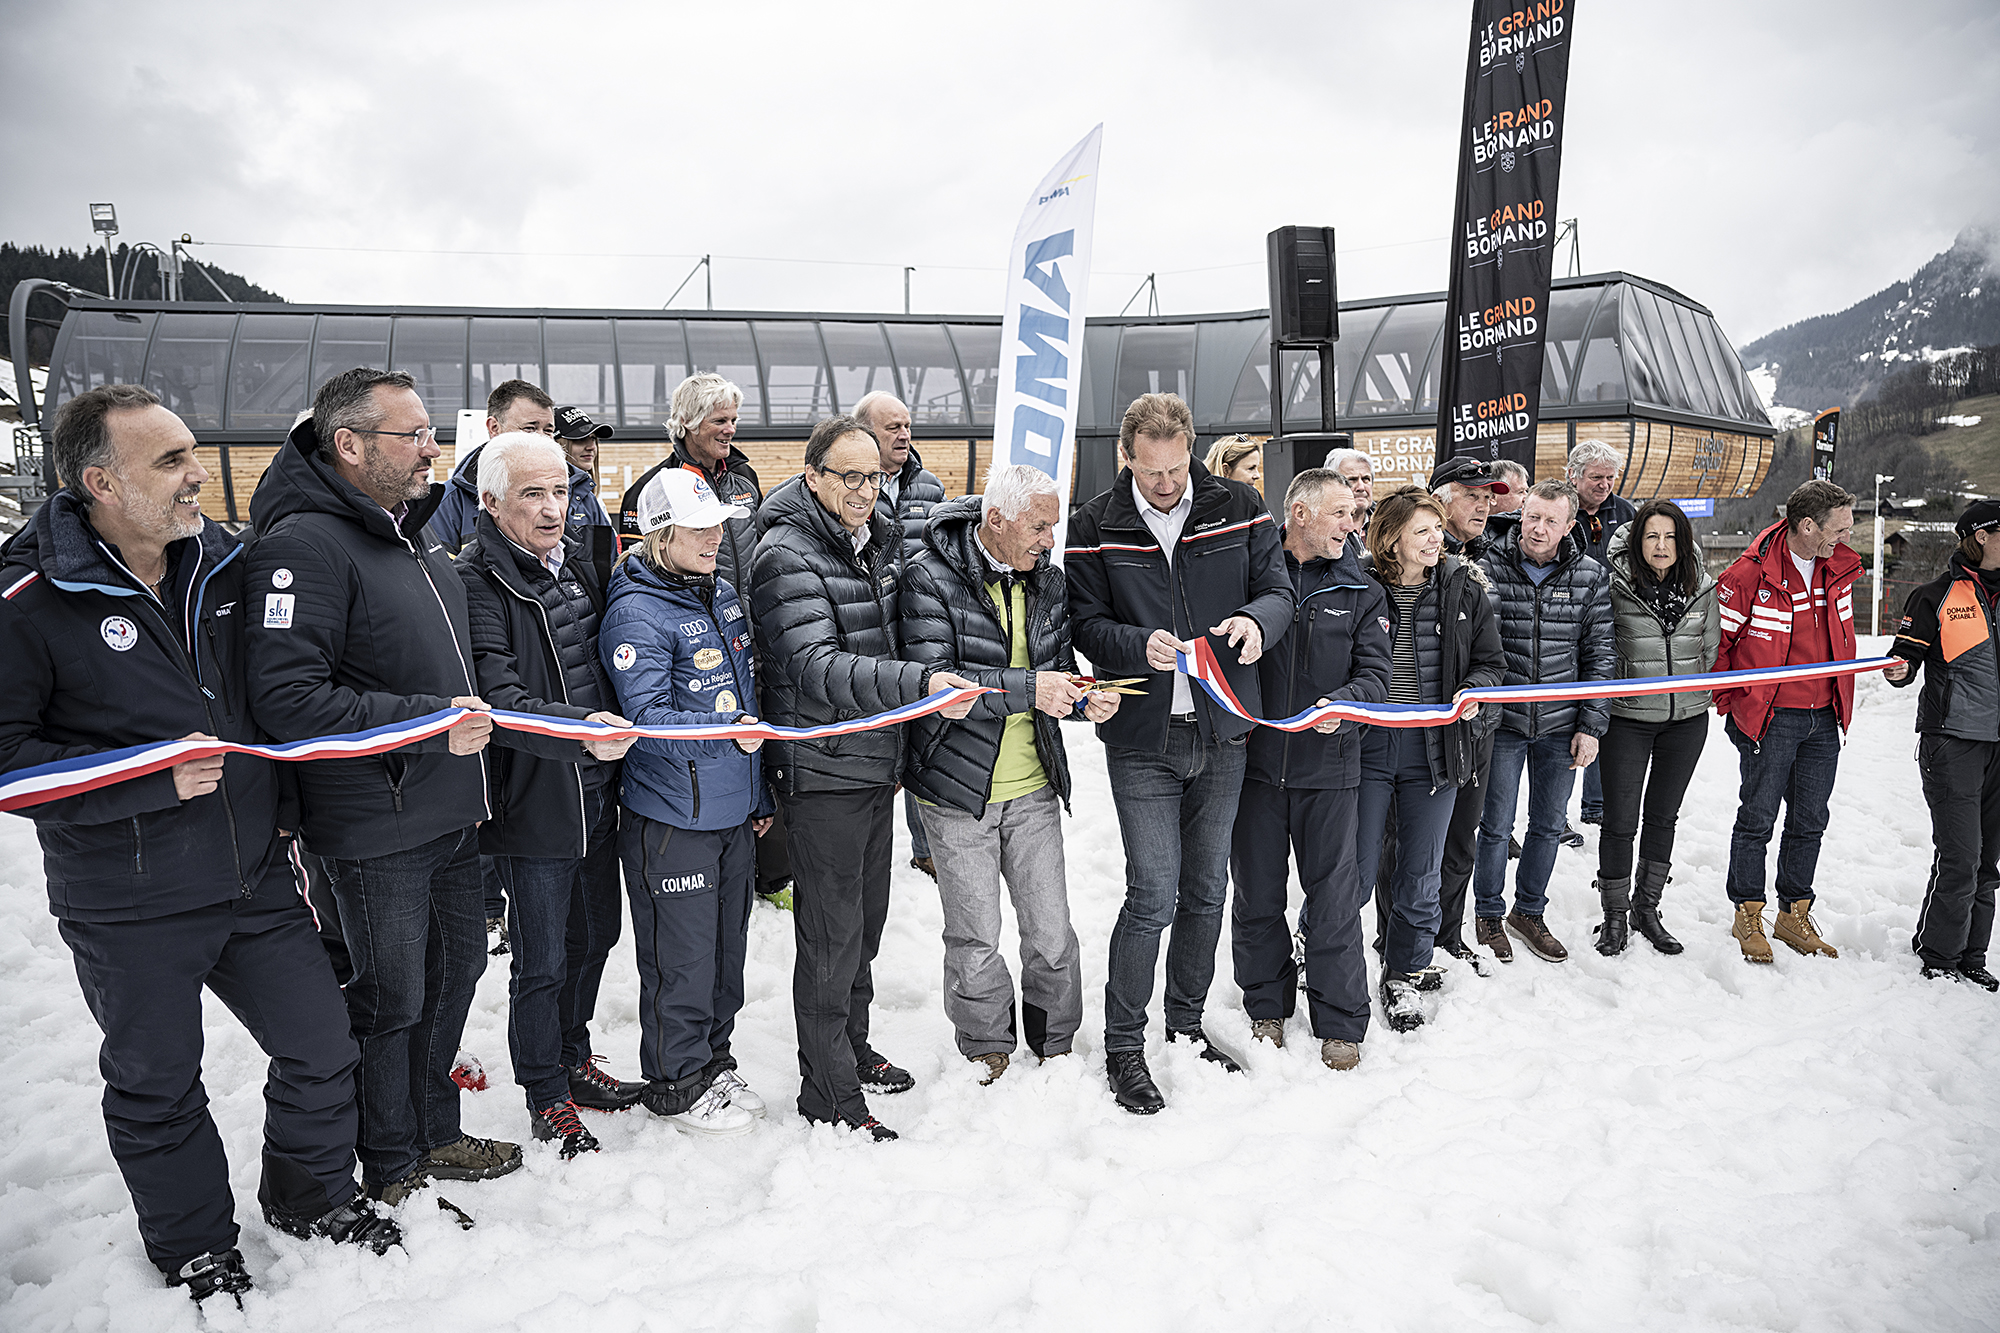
x,y
1445,639
1667,622
1237,458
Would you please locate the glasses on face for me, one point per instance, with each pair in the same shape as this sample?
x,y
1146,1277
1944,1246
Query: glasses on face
x,y
424,435
854,481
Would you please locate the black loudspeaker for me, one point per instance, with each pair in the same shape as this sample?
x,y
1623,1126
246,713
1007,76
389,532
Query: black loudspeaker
x,y
1305,307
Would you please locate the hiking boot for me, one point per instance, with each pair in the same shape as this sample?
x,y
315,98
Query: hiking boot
x,y
392,1194
355,1222
1132,1083
496,927
878,1075
925,864
1268,1029
1492,933
1941,974
1400,1005
560,1122
1208,1051
698,1105
739,1093
1749,932
206,1274
1647,886
594,1089
1980,977
473,1159
1615,933
996,1065
1428,979
1794,925
1536,936
1569,837
1337,1054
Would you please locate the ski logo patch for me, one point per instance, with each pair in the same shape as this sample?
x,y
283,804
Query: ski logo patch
x,y
1383,621
708,659
120,633
1763,594
725,702
623,656
278,609
281,579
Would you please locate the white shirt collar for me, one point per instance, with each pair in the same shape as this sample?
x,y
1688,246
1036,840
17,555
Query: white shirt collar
x,y
553,561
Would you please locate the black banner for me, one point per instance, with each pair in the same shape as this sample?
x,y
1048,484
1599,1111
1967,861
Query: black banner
x,y
1503,234
1826,428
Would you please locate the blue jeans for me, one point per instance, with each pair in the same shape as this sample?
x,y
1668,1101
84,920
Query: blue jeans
x,y
920,843
1550,778
1395,770
1794,762
1593,792
415,924
563,916
1175,812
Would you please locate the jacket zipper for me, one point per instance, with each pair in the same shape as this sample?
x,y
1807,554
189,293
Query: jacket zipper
x,y
694,781
464,668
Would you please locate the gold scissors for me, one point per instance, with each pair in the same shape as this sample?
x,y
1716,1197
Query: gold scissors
x,y
1096,686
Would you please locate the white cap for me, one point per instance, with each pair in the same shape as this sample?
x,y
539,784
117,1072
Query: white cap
x,y
680,497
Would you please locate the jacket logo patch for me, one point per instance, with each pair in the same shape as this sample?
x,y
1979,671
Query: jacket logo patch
x,y
1724,593
278,609
225,608
120,633
730,613
281,578
1336,610
624,656
683,883
725,702
694,627
1383,621
740,642
708,659
1763,594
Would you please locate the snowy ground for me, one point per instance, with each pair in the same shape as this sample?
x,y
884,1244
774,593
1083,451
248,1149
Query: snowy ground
x,y
1683,1143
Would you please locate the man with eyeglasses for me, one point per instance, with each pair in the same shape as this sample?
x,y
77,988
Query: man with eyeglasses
x,y
358,621
825,596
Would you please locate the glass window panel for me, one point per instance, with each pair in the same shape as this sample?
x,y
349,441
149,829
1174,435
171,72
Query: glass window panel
x,y
581,370
652,361
1388,376
798,389
269,372
931,386
104,348
861,363
190,364
1427,388
1569,310
1250,402
1100,365
1729,368
347,341
1722,384
1693,367
1220,347
502,350
1601,377
432,349
1153,358
1648,308
1644,376
723,347
1357,327
978,347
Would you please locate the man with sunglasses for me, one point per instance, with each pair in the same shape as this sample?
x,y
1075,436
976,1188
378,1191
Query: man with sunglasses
x,y
824,597
357,621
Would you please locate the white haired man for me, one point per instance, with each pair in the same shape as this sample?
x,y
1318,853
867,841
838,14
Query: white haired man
x,y
1593,470
983,599
1358,471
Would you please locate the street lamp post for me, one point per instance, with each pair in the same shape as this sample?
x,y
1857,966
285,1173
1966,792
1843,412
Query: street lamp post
x,y
104,221
1875,611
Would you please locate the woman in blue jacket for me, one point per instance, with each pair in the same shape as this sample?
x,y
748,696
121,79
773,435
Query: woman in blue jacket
x,y
676,643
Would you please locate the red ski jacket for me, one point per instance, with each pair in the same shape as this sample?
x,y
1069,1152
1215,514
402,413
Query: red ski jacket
x,y
1758,595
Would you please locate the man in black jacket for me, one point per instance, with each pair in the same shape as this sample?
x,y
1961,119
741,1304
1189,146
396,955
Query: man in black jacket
x,y
1168,554
1555,624
358,621
534,600
984,600
1593,469
121,625
824,600
906,499
1299,788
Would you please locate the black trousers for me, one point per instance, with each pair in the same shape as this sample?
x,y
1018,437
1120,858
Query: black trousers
x,y
1962,785
840,849
1461,843
143,982
1647,767
1272,825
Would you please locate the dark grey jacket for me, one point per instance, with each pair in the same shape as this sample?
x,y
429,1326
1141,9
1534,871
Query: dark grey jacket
x,y
1557,631
950,623
1647,648
919,493
1457,638
825,620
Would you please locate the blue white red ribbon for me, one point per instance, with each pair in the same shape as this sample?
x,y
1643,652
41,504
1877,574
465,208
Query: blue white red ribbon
x,y
72,777
1202,668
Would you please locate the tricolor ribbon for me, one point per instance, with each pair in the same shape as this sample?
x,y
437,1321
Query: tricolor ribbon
x,y
72,777
1202,668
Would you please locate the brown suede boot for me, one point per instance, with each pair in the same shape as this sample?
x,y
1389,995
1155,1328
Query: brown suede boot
x,y
1749,931
1794,925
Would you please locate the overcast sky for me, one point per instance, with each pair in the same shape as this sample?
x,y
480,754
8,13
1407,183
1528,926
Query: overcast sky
x,y
1772,160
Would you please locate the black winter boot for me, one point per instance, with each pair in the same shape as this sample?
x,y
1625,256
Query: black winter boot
x,y
1646,888
1614,934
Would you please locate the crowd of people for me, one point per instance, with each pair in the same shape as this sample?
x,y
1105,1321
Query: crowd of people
x,y
342,908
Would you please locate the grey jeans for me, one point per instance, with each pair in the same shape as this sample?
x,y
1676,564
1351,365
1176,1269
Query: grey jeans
x,y
1018,842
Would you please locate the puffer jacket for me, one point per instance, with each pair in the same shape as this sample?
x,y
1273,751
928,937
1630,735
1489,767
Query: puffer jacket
x,y
1556,631
534,650
1337,648
458,511
92,662
1948,630
951,623
358,621
1457,638
825,619
734,483
678,652
1646,647
919,493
